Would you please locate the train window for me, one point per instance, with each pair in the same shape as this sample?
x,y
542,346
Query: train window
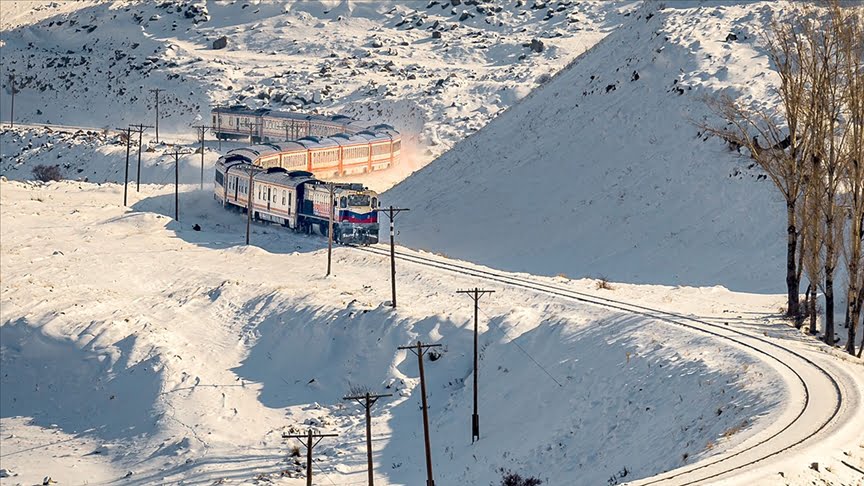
x,y
274,195
283,197
343,203
374,202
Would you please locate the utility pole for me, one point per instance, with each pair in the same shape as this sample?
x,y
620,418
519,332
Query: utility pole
x,y
219,126
202,129
157,90
140,129
475,294
12,113
419,350
367,401
330,228
252,127
309,446
249,206
391,213
128,131
177,154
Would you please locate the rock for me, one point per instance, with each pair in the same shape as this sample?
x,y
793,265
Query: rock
x,y
814,466
376,43
195,227
455,3
47,480
436,34
731,37
465,15
7,473
537,45
220,43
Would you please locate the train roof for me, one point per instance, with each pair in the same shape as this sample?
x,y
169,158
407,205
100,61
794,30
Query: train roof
x,y
317,142
346,139
282,177
289,146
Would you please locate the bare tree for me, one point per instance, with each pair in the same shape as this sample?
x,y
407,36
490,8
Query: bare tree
x,y
848,24
812,247
784,129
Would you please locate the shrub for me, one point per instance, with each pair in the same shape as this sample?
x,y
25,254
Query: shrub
x,y
603,284
515,479
46,173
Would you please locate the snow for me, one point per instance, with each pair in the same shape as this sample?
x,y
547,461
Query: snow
x,y
137,350
215,359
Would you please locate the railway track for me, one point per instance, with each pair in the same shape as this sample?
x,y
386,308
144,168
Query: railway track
x,y
813,407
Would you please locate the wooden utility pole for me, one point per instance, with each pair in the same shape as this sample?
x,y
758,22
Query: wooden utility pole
x,y
12,112
177,154
475,294
157,91
309,446
128,131
202,129
252,127
391,213
367,401
330,228
419,350
140,130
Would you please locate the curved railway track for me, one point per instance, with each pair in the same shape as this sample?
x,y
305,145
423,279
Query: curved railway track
x,y
799,423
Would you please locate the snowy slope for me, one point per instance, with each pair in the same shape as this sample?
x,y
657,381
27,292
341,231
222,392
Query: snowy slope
x,y
93,64
145,347
602,172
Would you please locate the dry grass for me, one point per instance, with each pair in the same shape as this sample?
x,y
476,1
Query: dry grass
x,y
603,284
734,429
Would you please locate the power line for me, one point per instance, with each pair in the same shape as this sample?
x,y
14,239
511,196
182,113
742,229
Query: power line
x,y
513,340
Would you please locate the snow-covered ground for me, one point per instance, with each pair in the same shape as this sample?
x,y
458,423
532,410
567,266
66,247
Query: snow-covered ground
x,y
137,350
133,344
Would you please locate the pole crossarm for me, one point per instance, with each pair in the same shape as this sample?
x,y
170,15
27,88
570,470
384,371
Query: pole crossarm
x,y
424,347
374,398
309,435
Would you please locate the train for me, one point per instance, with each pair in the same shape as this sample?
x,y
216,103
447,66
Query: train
x,y
326,146
299,201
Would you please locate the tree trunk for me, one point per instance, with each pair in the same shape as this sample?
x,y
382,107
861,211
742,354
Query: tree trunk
x,y
829,305
854,312
812,304
792,283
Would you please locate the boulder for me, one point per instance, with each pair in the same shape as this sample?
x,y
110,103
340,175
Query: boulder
x,y
537,45
220,43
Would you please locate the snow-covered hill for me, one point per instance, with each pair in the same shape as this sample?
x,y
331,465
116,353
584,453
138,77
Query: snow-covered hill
x,y
602,171
437,70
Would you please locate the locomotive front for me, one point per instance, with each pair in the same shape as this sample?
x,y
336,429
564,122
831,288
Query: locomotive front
x,y
357,217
